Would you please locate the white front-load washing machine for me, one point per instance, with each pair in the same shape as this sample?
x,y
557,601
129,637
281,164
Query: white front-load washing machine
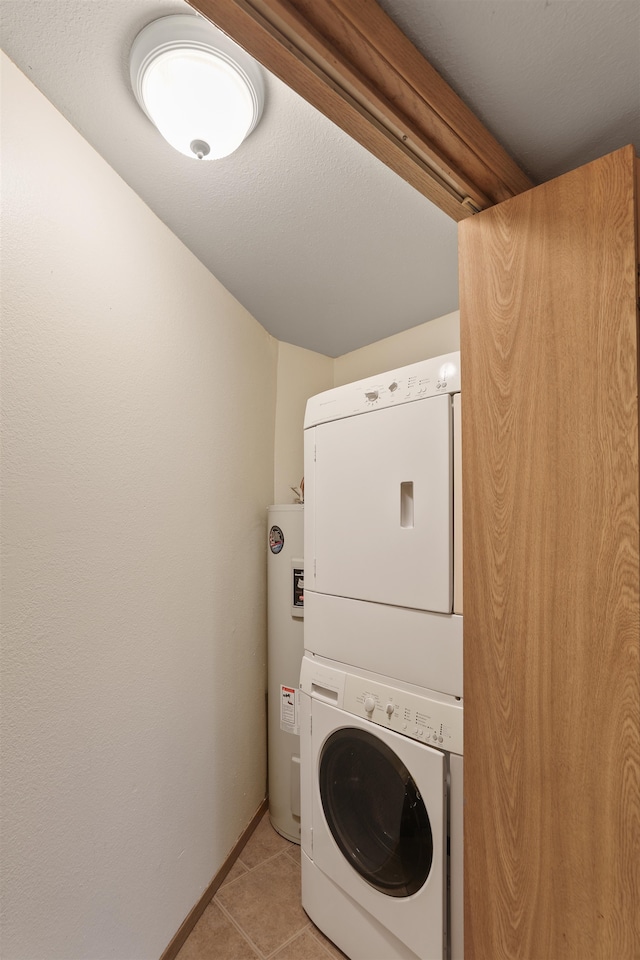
x,y
381,814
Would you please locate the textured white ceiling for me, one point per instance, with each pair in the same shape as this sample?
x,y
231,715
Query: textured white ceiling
x,y
326,247
557,82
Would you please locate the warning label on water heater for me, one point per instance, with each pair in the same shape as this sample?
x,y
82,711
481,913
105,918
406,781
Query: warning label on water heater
x,y
289,697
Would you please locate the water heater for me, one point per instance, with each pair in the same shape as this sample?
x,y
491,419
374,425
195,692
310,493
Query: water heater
x,y
285,611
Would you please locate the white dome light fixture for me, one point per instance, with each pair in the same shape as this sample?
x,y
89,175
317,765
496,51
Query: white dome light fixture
x,y
202,91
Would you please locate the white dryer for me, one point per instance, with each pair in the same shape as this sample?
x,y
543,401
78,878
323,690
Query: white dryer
x,y
383,553
381,814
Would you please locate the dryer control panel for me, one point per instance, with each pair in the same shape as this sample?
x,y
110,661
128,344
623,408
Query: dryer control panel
x,y
435,722
426,378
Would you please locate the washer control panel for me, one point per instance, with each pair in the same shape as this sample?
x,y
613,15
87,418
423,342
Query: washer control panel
x,y
431,721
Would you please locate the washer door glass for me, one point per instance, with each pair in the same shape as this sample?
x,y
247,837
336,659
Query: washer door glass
x,y
375,812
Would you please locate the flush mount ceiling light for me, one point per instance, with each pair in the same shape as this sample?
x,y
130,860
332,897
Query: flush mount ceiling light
x,y
199,88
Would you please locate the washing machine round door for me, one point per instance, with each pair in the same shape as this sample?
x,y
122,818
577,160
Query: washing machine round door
x,y
375,812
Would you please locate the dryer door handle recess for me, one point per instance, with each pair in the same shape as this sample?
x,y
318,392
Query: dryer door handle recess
x,y
406,504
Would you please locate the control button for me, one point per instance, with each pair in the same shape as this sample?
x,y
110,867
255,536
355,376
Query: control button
x,y
440,739
435,736
369,704
389,708
393,387
416,732
371,395
421,733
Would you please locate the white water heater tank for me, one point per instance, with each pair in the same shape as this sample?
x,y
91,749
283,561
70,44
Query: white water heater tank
x,y
285,610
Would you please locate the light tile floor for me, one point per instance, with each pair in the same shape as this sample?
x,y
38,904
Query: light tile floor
x,y
256,914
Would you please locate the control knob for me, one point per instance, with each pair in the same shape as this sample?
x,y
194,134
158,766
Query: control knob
x,y
389,708
369,704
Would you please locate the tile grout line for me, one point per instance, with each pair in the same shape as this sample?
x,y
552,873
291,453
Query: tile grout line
x,y
237,926
309,926
313,929
295,936
260,955
288,852
227,886
251,869
266,956
287,942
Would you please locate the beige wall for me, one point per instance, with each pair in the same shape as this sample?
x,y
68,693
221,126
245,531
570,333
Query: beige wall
x,y
431,339
138,411
301,374
143,438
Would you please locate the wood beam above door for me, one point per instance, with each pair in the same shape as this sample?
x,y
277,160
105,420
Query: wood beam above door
x,y
350,61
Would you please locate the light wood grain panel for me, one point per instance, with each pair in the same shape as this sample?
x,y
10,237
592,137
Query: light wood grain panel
x,y
551,571
353,64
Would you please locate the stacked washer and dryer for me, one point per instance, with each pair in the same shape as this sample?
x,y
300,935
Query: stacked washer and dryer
x,y
381,679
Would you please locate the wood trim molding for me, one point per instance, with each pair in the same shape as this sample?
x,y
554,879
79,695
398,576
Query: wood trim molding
x,y
194,915
350,61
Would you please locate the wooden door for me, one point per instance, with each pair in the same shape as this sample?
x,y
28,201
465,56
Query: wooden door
x,y
549,357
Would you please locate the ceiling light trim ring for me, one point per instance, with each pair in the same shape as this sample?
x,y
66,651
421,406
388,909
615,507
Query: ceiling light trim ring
x,y
170,45
194,33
